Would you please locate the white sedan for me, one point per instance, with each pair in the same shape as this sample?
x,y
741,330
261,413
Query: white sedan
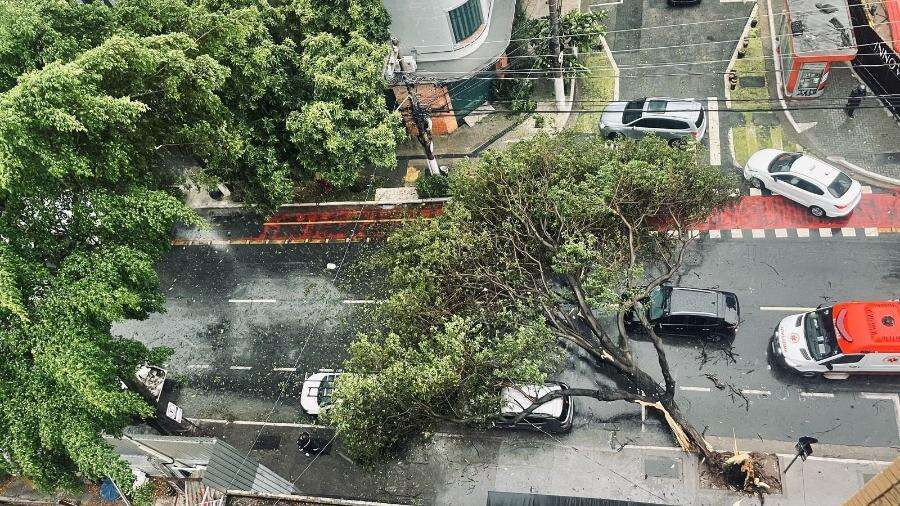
x,y
812,183
317,391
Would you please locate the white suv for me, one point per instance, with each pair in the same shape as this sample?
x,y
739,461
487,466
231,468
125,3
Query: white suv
x,y
812,183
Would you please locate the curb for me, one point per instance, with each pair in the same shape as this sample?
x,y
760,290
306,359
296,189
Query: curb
x,y
889,181
730,67
348,203
306,499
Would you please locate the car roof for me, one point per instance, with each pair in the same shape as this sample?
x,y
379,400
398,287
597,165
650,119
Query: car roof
x,y
868,326
517,398
680,108
693,301
814,169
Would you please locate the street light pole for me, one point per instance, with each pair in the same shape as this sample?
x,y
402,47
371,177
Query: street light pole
x,y
423,128
558,86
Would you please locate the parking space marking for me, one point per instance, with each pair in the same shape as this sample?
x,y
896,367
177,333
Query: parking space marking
x,y
802,232
737,233
786,308
758,233
816,394
848,232
755,192
715,234
285,369
781,232
252,301
695,389
755,392
240,368
871,232
824,232
895,398
715,146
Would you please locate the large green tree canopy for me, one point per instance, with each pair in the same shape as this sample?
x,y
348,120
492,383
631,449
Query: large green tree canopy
x,y
537,245
303,97
93,102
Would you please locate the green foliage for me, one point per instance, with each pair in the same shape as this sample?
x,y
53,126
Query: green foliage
x,y
515,93
291,90
581,30
430,186
474,293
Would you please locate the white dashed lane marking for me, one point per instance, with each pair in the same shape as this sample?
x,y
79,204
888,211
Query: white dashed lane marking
x,y
695,389
715,147
816,394
715,234
240,368
802,232
755,392
252,301
780,232
755,192
758,233
360,301
737,233
786,308
871,232
285,369
824,232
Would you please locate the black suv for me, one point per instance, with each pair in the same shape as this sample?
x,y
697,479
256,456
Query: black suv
x,y
709,314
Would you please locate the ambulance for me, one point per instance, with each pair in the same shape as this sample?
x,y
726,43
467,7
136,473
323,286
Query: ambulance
x,y
844,339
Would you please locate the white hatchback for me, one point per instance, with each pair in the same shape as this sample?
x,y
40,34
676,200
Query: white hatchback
x,y
812,183
317,391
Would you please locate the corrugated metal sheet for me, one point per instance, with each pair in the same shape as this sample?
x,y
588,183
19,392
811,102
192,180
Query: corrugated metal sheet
x,y
230,469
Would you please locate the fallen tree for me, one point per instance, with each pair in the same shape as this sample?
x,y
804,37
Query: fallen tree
x,y
543,251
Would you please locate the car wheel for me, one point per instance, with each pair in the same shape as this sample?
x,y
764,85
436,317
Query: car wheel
x,y
816,211
808,374
612,136
677,142
757,183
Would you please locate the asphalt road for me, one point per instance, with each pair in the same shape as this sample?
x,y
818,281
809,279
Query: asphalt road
x,y
774,404
249,322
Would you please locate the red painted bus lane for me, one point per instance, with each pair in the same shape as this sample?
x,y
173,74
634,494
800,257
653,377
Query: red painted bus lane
x,y
768,212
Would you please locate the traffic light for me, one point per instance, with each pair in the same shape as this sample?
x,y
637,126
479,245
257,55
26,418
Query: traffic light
x,y
804,449
804,446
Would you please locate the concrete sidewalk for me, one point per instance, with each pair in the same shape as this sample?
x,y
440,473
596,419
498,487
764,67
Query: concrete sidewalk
x,y
458,469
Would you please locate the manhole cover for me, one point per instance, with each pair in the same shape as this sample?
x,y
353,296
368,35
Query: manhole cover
x,y
267,442
662,467
752,81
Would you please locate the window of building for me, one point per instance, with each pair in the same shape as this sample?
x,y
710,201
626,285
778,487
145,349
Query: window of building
x,y
466,19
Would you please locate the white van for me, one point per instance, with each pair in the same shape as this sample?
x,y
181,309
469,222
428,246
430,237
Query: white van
x,y
847,338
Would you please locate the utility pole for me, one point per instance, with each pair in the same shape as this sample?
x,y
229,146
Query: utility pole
x,y
558,86
423,128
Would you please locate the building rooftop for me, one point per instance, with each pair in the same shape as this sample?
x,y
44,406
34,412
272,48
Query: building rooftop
x,y
821,27
868,326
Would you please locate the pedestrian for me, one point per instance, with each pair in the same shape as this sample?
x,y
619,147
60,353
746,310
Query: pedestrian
x,y
304,442
855,99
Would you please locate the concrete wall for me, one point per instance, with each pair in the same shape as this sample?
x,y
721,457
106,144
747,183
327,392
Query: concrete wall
x,y
425,24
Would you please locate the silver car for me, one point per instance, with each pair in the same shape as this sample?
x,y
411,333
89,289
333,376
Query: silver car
x,y
669,118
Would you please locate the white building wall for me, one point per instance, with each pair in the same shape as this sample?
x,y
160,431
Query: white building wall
x,y
425,25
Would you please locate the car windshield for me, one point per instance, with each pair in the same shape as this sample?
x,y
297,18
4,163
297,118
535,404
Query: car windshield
x,y
819,330
633,111
782,162
326,390
840,185
659,300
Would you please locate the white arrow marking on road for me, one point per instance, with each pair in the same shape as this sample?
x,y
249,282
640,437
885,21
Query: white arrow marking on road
x,y
886,397
251,301
786,308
